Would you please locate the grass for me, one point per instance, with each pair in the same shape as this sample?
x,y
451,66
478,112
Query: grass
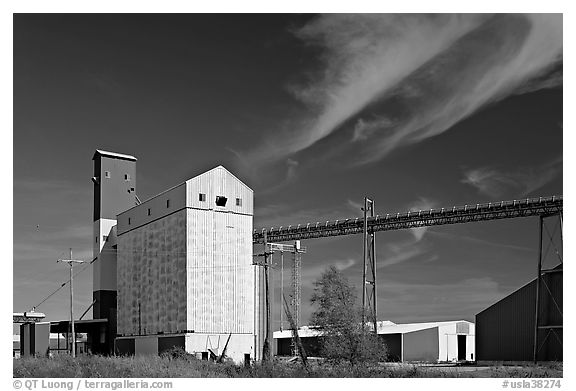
x,y
182,365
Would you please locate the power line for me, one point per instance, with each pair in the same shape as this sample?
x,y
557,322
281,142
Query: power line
x,y
235,267
64,284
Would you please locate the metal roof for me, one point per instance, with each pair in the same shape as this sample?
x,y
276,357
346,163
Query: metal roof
x,y
384,327
113,154
81,326
410,327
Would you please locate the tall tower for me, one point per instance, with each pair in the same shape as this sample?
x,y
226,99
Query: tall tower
x,y
114,192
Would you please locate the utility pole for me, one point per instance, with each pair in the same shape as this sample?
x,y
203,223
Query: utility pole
x,y
71,263
281,284
266,348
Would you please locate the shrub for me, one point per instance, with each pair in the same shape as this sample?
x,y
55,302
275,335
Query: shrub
x,y
345,337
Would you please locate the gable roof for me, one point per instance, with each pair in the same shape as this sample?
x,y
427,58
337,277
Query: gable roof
x,y
220,167
115,155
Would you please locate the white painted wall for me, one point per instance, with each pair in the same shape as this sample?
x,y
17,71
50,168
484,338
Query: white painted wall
x,y
448,340
219,182
220,273
104,269
239,345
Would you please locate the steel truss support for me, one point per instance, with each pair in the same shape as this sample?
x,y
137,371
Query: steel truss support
x,y
369,309
297,250
550,329
542,206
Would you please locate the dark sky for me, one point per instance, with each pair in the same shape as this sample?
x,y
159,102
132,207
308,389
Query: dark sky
x,y
313,113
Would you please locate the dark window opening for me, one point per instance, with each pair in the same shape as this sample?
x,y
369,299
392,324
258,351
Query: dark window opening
x,y
128,220
205,356
238,202
105,238
107,174
96,239
127,177
167,203
221,201
148,211
202,197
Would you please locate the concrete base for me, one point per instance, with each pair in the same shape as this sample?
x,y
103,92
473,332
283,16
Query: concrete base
x,y
142,345
240,347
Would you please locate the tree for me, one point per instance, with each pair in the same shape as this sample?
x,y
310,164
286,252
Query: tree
x,y
339,319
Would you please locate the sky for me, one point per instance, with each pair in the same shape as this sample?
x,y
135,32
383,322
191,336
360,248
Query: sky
x,y
313,112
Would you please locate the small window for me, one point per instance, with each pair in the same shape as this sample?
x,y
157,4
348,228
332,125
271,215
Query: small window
x,y
105,238
167,203
148,211
126,177
96,239
107,174
202,197
128,220
238,201
221,201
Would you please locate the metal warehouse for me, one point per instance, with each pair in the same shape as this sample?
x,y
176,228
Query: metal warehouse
x,y
505,330
428,342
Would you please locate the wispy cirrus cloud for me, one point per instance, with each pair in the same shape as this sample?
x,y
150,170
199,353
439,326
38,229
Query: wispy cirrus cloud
x,y
404,78
404,251
496,183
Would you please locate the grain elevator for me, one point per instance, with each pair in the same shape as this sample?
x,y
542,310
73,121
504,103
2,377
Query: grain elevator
x,y
177,267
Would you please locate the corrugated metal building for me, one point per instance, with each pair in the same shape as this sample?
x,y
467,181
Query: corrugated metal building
x,y
185,274
427,342
505,330
57,344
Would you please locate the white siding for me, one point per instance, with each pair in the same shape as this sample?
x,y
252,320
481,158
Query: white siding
x,y
104,269
219,182
219,241
220,272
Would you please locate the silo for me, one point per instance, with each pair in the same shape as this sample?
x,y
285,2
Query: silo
x,y
185,270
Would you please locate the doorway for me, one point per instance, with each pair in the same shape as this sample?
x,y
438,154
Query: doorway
x,y
461,347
